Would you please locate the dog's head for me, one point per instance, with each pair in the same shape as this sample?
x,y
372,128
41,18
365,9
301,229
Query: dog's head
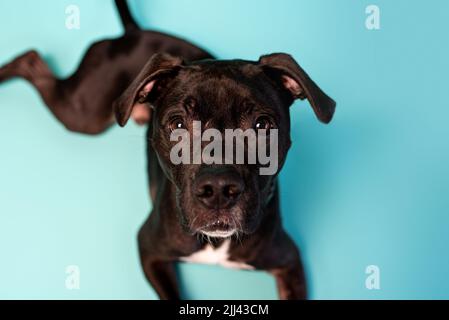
x,y
220,200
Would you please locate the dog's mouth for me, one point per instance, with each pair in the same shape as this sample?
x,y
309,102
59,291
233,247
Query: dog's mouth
x,y
218,229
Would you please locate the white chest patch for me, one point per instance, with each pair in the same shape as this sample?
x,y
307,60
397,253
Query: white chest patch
x,y
220,256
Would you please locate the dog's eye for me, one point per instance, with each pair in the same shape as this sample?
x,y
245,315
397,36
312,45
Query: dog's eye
x,y
263,122
177,123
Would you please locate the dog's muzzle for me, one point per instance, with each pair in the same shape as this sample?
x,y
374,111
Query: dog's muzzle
x,y
218,188
217,191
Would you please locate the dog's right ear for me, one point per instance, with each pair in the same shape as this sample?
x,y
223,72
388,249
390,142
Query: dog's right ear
x,y
136,96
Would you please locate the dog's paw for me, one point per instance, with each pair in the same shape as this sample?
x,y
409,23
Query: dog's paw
x,y
26,65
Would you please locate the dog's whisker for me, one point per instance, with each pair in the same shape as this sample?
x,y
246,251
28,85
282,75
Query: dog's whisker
x,y
192,223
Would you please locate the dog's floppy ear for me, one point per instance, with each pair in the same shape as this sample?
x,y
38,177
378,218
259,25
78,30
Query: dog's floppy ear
x,y
296,80
134,99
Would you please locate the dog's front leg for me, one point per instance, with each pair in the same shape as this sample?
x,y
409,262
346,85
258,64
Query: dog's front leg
x,y
283,261
162,276
290,282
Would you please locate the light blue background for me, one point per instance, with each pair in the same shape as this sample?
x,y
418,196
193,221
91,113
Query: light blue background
x,y
370,188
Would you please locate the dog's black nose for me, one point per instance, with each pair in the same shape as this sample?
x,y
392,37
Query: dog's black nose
x,y
218,189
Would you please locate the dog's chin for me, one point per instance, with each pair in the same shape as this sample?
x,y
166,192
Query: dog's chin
x,y
219,233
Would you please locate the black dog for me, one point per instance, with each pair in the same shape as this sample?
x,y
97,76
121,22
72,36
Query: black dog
x,y
232,204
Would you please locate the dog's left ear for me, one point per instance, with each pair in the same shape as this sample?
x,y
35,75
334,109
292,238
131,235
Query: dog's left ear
x,y
293,78
136,99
